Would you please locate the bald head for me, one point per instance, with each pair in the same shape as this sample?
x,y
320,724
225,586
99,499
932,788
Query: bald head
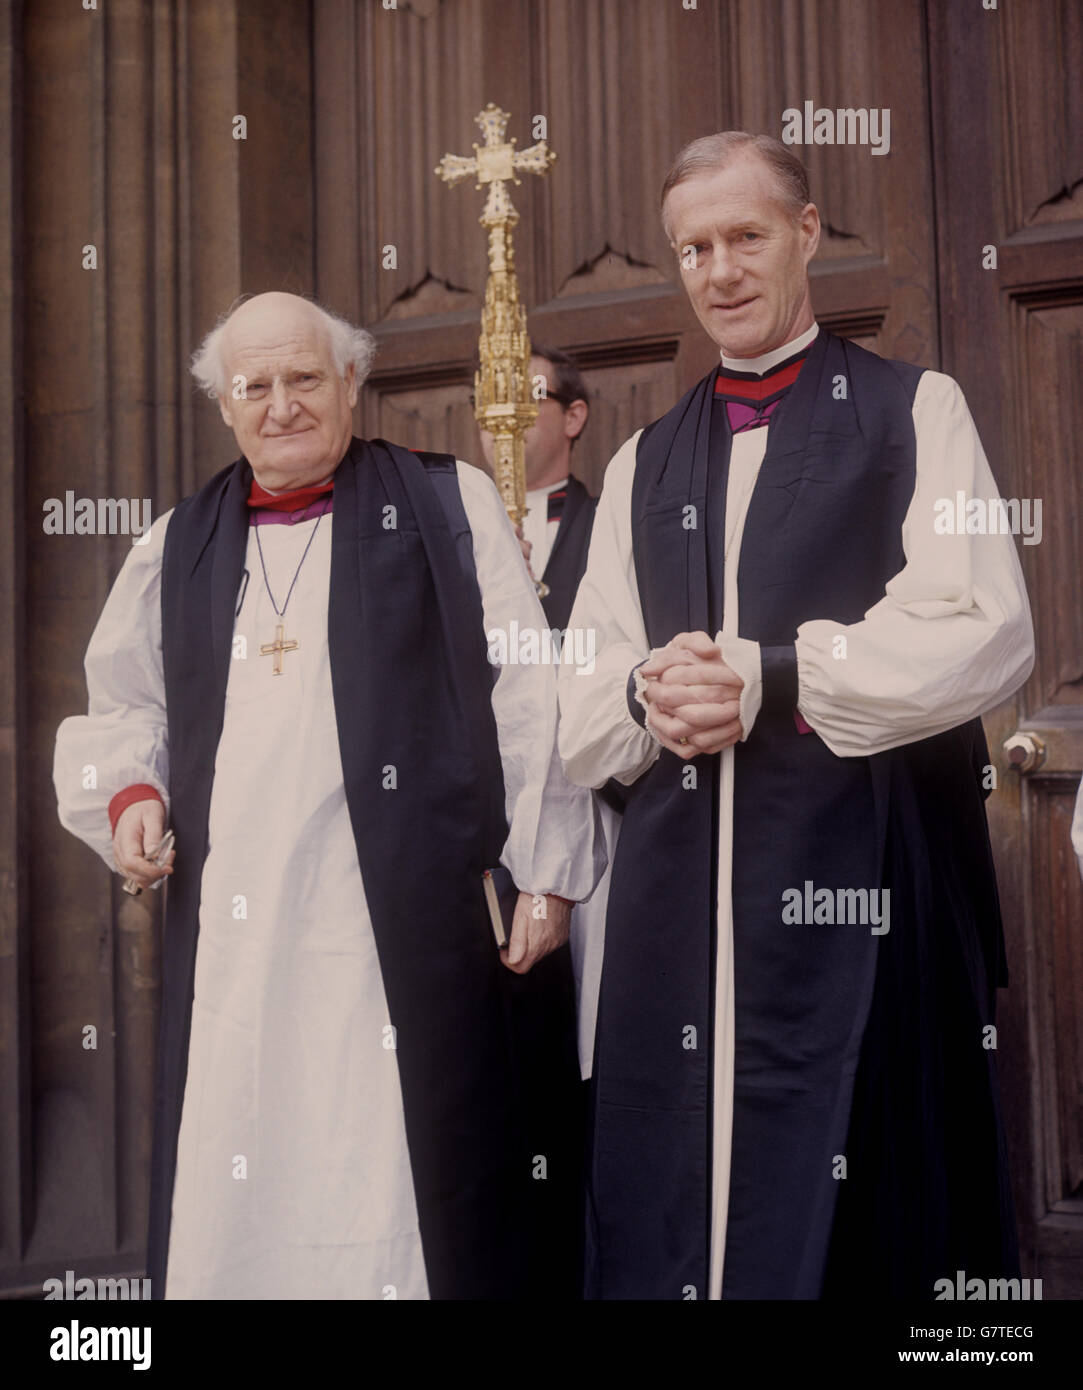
x,y
271,318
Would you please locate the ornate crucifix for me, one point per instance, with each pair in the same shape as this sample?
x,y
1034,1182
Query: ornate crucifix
x,y
503,404
277,647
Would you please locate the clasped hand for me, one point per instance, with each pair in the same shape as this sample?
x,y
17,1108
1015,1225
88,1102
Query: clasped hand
x,y
693,697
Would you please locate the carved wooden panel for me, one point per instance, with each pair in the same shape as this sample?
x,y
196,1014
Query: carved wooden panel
x,y
411,81
624,397
1058,904
826,55
1049,339
1042,119
876,264
628,83
439,418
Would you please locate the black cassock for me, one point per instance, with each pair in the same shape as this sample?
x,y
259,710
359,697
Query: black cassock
x,y
869,1047
409,594
544,1008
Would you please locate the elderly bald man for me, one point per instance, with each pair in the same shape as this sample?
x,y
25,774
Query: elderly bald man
x,y
292,675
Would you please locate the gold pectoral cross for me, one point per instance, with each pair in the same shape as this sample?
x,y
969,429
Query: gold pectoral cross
x,y
277,647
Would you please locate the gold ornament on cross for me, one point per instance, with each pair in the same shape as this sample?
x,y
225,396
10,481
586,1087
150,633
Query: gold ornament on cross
x,y
503,402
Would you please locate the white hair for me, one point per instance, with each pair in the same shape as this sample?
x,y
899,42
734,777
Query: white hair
x,y
349,345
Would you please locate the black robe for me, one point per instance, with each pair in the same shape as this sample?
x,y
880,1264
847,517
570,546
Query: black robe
x,y
564,569
544,1008
568,557
867,1047
407,591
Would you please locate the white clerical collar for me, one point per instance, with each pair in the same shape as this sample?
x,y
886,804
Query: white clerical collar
x,y
767,360
547,489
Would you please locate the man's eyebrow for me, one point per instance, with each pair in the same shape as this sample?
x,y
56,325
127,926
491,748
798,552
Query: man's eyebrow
x,y
723,231
292,371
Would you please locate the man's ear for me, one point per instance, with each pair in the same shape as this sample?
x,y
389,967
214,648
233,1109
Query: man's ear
x,y
810,229
223,406
575,418
350,379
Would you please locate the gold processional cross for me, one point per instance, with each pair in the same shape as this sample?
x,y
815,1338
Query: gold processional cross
x,y
503,404
277,647
494,163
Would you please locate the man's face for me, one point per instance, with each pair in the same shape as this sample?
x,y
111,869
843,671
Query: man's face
x,y
743,256
293,424
548,441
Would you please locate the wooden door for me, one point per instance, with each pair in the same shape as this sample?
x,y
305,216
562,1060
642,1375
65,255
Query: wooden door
x,y
1009,179
985,150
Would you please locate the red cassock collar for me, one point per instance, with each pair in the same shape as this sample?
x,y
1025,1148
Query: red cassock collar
x,y
292,501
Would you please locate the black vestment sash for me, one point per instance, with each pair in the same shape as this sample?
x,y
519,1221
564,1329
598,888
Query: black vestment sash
x,y
412,691
821,539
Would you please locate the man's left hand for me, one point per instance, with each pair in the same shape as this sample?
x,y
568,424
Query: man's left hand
x,y
533,935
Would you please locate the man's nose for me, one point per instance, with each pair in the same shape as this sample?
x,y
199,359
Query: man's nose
x,y
281,401
724,268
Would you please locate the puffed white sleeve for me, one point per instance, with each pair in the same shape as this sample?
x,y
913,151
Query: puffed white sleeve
x,y
121,740
603,732
952,636
555,843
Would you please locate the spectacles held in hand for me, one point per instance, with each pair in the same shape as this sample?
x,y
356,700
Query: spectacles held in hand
x,y
158,858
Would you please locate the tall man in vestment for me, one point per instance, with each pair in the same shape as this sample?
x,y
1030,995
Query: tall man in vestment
x,y
795,1090
292,674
